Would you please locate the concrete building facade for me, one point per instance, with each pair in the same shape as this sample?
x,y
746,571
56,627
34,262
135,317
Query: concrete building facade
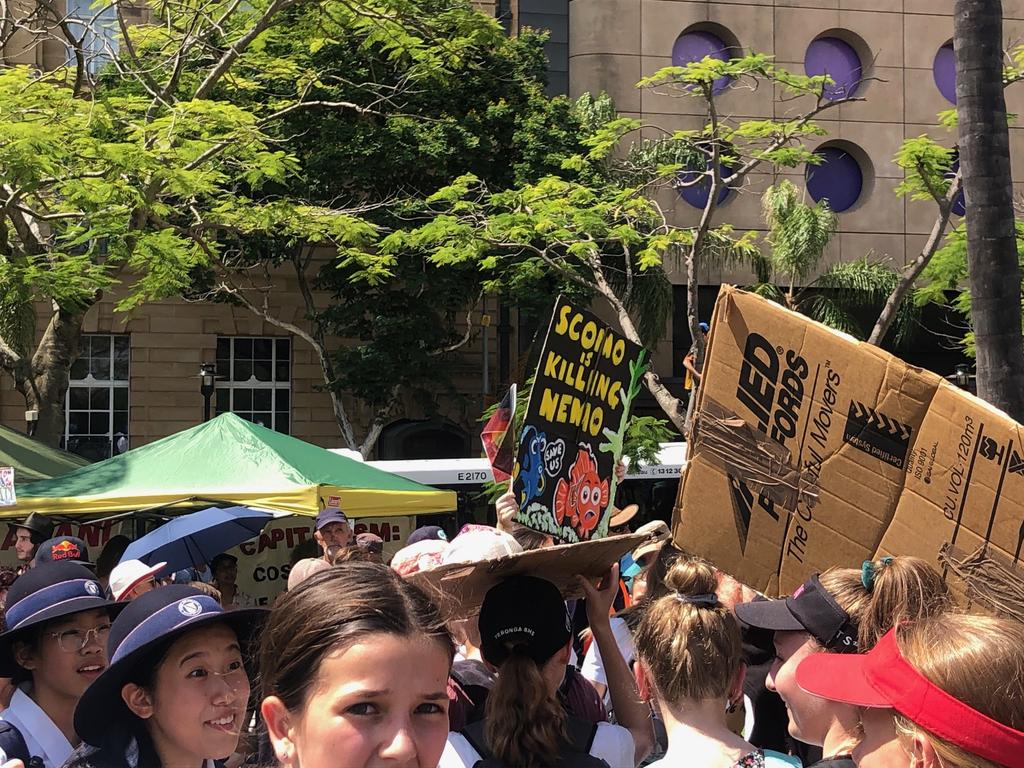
x,y
902,49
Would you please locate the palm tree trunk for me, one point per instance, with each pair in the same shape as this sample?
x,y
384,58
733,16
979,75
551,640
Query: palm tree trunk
x,y
994,270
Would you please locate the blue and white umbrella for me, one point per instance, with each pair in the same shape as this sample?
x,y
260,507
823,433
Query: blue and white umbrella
x,y
195,539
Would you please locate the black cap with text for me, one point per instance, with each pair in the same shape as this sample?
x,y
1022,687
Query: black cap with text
x,y
809,609
523,614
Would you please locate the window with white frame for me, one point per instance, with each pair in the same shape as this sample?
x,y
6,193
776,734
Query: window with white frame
x,y
96,421
96,25
254,379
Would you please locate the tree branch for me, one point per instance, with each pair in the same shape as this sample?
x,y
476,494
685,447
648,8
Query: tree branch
x,y
914,269
465,337
237,49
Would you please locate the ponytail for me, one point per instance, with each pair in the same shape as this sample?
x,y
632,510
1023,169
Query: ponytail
x,y
887,592
688,640
524,725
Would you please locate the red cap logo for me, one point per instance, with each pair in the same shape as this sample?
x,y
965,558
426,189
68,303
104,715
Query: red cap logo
x,y
65,550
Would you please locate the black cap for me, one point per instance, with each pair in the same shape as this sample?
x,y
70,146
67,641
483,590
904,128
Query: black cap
x,y
524,614
809,609
62,549
425,533
37,523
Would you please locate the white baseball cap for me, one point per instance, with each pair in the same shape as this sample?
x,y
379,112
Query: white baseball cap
x,y
128,574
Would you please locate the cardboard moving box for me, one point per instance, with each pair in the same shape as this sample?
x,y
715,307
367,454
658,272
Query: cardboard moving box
x,y
812,449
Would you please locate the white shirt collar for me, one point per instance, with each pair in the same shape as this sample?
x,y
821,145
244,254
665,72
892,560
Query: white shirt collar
x,y
42,737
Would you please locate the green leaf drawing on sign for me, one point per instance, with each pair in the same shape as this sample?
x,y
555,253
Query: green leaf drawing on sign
x,y
615,439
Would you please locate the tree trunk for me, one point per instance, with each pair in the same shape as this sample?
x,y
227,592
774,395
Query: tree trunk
x,y
670,404
993,267
46,386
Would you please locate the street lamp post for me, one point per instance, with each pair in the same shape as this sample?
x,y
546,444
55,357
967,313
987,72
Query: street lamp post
x,y
962,376
207,376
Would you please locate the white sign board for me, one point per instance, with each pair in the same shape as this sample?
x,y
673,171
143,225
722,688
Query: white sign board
x,y
265,561
7,496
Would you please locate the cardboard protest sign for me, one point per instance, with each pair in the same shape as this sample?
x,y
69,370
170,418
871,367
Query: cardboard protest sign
x,y
8,498
459,588
264,561
572,433
811,449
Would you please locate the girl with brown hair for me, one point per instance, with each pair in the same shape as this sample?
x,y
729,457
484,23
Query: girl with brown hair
x,y
354,666
842,611
690,663
943,692
526,635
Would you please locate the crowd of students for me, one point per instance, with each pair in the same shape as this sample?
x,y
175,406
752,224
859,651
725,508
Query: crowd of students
x,y
355,666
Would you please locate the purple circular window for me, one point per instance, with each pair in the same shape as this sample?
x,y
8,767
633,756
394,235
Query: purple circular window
x,y
838,179
697,195
944,72
837,59
696,46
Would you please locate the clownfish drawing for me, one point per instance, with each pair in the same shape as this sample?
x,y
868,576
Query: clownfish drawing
x,y
582,499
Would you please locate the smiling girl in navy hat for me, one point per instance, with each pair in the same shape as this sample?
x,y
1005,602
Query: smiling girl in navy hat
x,y
54,647
176,690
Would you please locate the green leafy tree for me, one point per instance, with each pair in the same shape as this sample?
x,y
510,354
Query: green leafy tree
x,y
93,194
929,176
944,281
596,223
415,129
791,272
145,177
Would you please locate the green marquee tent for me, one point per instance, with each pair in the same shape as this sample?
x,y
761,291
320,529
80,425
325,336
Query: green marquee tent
x,y
229,459
32,460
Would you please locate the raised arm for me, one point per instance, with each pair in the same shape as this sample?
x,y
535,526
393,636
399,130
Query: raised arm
x,y
631,713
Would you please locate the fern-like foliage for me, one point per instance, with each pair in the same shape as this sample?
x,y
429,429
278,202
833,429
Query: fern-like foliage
x,y
798,233
844,295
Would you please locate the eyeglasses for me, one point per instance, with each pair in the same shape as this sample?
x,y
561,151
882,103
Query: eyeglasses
x,y
74,640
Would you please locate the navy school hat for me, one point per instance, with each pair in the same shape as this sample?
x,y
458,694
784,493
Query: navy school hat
x,y
146,624
809,609
47,592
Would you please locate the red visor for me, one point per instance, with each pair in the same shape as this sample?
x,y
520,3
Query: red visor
x,y
883,678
